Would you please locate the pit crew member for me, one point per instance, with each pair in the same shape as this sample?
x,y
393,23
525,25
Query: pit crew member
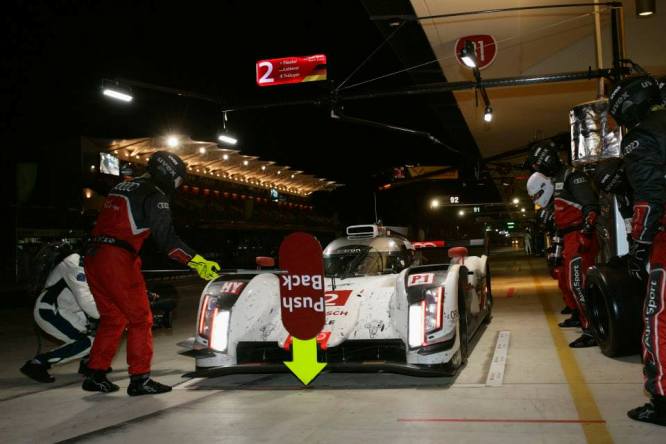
x,y
133,211
636,104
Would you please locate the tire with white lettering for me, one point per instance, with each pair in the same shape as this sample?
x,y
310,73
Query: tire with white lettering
x,y
613,305
463,316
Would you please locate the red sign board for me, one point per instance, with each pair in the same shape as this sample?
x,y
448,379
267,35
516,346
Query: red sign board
x,y
484,45
302,301
291,70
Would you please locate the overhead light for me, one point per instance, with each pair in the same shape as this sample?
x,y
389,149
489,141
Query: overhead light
x,y
245,163
114,94
516,201
488,114
225,157
461,213
279,172
202,150
172,141
226,138
522,210
434,203
263,168
645,8
468,55
292,176
116,91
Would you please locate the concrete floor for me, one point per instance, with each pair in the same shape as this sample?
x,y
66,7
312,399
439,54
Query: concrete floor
x,y
550,394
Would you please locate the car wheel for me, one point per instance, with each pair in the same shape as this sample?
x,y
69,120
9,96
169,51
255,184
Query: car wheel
x,y
613,307
463,317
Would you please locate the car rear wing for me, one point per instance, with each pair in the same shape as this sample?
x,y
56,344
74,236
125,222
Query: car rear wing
x,y
475,247
449,244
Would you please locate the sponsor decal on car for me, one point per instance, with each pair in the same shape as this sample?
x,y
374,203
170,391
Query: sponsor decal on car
x,y
232,287
420,279
337,298
322,340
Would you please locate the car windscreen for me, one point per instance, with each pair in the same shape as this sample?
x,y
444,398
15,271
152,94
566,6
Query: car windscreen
x,y
363,260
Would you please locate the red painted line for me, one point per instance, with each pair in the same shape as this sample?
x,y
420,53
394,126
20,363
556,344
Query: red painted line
x,y
508,421
510,292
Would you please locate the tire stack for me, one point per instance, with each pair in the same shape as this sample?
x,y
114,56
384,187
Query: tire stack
x,y
614,305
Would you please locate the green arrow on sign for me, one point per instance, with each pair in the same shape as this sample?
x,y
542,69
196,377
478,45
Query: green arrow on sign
x,y
304,364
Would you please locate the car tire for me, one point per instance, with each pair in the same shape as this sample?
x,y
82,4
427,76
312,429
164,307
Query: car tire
x,y
613,306
463,319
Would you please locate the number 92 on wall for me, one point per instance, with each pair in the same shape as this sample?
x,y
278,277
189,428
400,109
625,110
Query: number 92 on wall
x,y
286,70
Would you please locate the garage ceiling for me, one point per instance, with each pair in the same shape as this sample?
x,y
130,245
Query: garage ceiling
x,y
532,42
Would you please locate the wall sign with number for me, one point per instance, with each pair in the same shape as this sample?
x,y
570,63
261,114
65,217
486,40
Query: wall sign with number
x,y
485,47
287,70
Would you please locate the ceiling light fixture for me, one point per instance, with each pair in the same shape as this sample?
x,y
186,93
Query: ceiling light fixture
x,y
172,141
468,54
488,114
116,91
645,8
224,135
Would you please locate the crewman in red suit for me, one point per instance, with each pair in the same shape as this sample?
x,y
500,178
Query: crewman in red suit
x,y
133,211
575,211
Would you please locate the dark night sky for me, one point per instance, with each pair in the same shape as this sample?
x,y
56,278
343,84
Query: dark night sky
x,y
55,54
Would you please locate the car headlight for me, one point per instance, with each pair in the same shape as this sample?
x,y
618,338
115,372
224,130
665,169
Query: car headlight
x,y
425,317
433,309
416,334
213,324
219,336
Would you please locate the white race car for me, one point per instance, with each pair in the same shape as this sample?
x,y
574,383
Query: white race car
x,y
391,305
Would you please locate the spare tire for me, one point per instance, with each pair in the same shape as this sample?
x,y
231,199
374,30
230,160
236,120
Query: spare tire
x,y
614,303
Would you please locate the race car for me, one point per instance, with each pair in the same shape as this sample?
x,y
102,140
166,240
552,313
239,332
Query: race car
x,y
391,305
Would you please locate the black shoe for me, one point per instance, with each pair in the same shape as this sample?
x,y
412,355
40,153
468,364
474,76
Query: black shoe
x,y
566,311
37,371
98,382
146,386
87,371
653,412
584,341
571,322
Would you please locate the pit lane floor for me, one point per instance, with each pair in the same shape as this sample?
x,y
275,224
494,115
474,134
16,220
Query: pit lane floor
x,y
550,393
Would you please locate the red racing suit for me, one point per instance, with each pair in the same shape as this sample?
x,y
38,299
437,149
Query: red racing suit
x,y
644,150
575,203
132,211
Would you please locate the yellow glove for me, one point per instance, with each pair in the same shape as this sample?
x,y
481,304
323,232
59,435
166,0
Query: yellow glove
x,y
206,269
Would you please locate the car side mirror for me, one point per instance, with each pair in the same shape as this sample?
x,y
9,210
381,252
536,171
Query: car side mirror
x,y
265,262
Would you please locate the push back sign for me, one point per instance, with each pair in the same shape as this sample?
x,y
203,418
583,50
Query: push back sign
x,y
302,299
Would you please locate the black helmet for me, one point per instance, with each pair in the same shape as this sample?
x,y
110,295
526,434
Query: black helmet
x,y
609,176
631,99
167,170
543,158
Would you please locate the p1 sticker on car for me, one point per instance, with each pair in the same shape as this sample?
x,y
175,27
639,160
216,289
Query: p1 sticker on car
x,y
420,279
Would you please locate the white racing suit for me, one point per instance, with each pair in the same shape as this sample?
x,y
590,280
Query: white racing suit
x,y
62,310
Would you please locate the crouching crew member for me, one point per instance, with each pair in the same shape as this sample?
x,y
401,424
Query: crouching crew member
x,y
133,211
575,212
636,104
65,310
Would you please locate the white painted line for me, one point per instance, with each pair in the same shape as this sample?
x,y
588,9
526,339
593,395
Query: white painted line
x,y
498,364
185,385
